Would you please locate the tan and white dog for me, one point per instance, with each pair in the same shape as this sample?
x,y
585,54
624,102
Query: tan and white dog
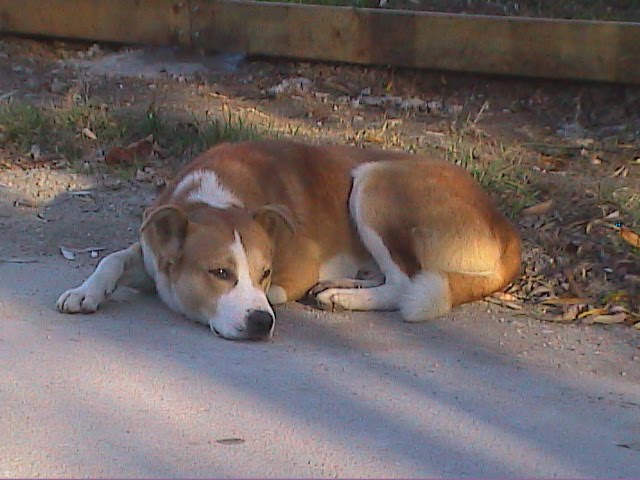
x,y
250,225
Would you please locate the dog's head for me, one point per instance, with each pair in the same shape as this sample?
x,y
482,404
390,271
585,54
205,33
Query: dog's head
x,y
215,266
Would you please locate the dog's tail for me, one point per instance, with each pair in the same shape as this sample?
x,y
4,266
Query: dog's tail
x,y
430,293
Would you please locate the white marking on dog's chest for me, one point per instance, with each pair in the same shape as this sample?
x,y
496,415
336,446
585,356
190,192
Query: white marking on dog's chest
x,y
208,189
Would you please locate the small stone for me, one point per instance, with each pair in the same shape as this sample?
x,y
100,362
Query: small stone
x,y
35,152
357,121
57,86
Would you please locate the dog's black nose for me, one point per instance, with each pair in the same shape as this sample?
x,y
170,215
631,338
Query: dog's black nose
x,y
259,324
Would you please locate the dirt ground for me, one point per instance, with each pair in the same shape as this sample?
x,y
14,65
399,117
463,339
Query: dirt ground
x,y
562,158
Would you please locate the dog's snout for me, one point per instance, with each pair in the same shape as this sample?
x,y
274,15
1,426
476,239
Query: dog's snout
x,y
259,324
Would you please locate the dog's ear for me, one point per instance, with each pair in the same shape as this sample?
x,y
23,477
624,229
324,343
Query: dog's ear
x,y
166,229
269,215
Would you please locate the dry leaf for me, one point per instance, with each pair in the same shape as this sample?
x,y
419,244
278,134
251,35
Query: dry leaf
x,y
72,253
230,441
373,138
629,236
550,164
621,171
507,297
89,249
605,319
593,311
118,156
549,317
145,174
25,202
142,148
139,150
539,209
618,309
618,296
17,260
571,313
67,253
504,303
567,301
630,446
89,134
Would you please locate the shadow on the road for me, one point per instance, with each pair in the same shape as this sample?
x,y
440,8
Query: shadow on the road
x,y
431,399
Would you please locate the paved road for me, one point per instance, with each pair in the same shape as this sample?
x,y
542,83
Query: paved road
x,y
134,391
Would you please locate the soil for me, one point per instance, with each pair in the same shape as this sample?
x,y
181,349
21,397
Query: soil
x,y
575,144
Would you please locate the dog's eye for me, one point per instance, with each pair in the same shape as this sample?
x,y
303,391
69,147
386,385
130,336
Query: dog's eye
x,y
221,273
266,274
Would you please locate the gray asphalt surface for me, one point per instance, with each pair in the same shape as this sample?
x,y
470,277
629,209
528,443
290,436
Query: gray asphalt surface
x,y
135,391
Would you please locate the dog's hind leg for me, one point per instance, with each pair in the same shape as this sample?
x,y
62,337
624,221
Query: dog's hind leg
x,y
123,268
380,293
386,294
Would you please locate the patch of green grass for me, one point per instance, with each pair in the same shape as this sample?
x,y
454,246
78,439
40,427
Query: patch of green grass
x,y
55,129
502,175
198,135
228,129
60,129
626,199
23,125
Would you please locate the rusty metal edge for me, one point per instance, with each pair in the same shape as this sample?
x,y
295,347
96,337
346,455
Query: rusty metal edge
x,y
552,48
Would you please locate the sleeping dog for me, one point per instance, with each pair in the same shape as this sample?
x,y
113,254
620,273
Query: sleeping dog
x,y
250,225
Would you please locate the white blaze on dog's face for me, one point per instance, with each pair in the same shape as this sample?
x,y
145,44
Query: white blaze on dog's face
x,y
214,269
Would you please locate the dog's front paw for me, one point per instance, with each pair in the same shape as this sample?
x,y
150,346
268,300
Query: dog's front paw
x,y
320,287
79,300
330,299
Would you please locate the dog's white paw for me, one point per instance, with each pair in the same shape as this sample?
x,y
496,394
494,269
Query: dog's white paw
x,y
333,299
80,300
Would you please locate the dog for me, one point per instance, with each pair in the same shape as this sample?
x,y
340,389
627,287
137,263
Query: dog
x,y
247,226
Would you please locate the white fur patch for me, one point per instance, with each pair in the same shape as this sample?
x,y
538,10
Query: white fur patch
x,y
95,289
426,297
209,190
394,275
340,266
277,295
234,305
383,297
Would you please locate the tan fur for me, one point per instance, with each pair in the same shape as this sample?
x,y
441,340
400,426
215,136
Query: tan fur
x,y
280,212
434,217
312,183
